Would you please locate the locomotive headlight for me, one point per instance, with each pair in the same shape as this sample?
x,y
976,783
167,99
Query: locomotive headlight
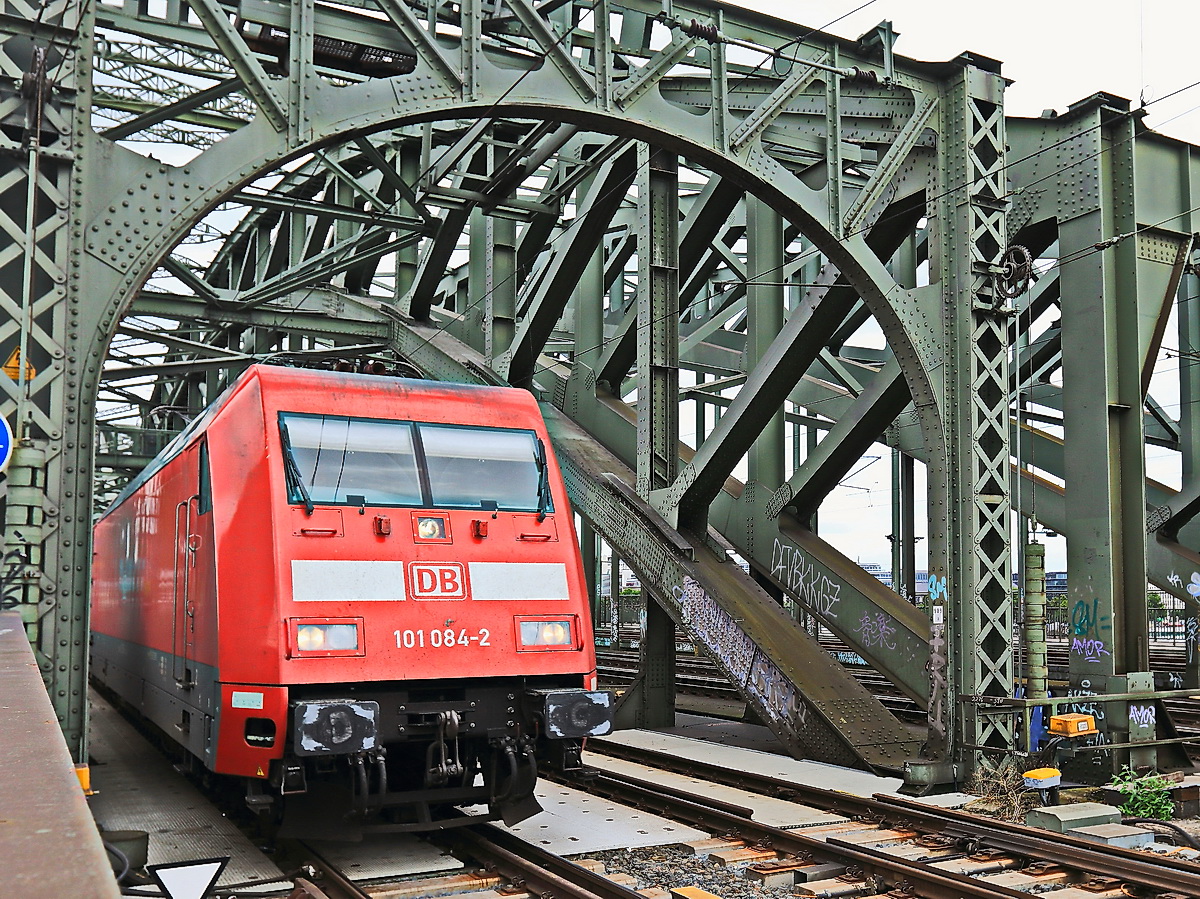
x,y
310,638
325,637
552,633
341,636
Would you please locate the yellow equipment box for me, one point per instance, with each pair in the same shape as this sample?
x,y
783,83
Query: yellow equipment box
x,y
1042,778
1072,725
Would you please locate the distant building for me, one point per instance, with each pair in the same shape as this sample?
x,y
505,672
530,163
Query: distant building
x,y
885,575
1056,582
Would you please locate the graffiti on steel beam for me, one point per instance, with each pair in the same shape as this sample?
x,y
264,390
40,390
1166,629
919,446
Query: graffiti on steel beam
x,y
739,655
877,630
1084,690
1090,648
1086,618
12,579
938,660
799,576
1100,758
1087,625
1143,715
1191,632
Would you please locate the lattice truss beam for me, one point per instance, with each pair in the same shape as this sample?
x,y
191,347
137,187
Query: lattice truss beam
x,y
365,182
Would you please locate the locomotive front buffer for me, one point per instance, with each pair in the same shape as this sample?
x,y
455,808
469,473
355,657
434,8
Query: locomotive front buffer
x,y
409,756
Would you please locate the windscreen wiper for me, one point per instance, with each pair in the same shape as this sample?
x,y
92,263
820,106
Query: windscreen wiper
x,y
292,471
543,488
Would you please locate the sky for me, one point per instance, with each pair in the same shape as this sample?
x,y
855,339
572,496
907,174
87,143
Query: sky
x,y
1054,52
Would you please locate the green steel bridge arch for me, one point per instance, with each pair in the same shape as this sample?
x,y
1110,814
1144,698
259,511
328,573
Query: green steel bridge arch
x,y
638,210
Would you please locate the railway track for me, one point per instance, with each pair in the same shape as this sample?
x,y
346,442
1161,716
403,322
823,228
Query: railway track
x,y
506,864
930,851
699,677
879,846
696,675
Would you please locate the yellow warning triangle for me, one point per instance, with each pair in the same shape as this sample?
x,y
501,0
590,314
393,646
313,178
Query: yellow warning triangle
x,y
260,771
12,367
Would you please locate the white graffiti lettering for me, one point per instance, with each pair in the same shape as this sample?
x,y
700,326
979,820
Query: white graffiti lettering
x,y
1095,709
799,576
738,654
1090,649
1143,715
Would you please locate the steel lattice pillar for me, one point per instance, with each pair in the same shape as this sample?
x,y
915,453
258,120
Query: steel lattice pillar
x,y
45,98
969,502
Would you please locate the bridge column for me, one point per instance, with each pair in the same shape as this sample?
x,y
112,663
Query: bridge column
x,y
493,273
49,485
971,652
764,313
1189,432
1104,426
658,399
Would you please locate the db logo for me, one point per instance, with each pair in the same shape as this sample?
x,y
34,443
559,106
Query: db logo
x,y
437,580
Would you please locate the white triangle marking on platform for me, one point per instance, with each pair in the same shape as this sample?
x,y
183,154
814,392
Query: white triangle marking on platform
x,y
188,880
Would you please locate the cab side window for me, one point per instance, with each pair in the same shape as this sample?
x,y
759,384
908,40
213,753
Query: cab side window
x,y
205,488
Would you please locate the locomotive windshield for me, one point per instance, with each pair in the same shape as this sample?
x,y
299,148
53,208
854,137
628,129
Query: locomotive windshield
x,y
337,460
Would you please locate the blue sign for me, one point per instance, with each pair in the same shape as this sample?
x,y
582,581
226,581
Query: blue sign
x,y
6,443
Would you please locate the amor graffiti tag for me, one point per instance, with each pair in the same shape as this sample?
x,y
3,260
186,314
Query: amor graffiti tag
x,y
798,575
1144,715
1091,649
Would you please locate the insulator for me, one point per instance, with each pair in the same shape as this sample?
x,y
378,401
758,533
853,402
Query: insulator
x,y
701,30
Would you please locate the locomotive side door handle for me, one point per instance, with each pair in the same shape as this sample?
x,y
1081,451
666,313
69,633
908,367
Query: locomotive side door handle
x,y
179,589
190,544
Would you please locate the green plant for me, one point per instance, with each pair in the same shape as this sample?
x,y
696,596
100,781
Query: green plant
x,y
1145,797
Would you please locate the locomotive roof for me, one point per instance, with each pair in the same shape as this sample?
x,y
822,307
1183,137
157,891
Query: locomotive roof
x,y
277,376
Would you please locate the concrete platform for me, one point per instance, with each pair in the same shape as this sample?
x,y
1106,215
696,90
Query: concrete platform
x,y
743,758
767,809
725,731
49,842
137,789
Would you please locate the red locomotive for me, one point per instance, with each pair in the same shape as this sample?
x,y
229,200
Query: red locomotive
x,y
342,584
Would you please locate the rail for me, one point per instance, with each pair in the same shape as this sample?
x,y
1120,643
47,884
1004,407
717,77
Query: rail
x,y
1167,874
536,870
